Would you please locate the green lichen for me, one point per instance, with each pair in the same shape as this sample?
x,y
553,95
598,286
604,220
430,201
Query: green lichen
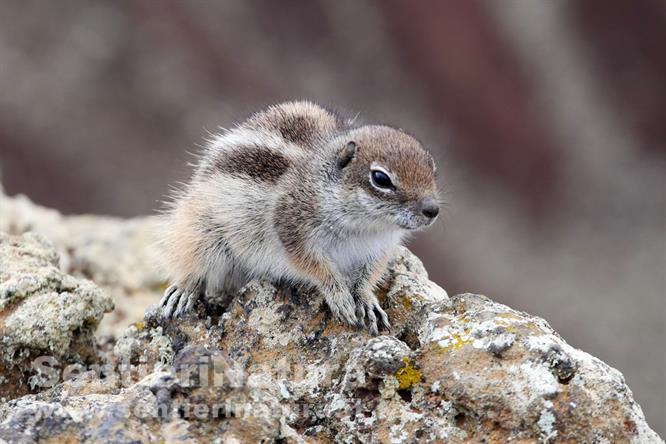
x,y
408,375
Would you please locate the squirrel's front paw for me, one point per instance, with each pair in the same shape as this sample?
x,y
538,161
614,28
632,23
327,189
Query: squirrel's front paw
x,y
176,302
342,306
369,312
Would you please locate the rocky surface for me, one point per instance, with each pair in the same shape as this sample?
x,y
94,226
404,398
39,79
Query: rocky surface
x,y
117,254
42,312
275,368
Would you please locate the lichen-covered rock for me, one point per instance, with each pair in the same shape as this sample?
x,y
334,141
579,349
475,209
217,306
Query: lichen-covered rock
x,y
509,375
117,254
227,405
42,311
275,367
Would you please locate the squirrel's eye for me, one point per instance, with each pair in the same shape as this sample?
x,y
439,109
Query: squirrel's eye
x,y
381,180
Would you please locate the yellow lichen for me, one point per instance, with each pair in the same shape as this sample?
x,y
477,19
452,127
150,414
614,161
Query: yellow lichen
x,y
458,341
408,300
513,322
508,316
455,341
140,326
533,327
408,375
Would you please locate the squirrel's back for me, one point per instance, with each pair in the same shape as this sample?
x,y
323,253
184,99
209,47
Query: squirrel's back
x,y
228,206
264,146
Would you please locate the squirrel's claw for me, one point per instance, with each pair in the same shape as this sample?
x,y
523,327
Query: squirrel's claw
x,y
169,300
374,317
177,302
383,317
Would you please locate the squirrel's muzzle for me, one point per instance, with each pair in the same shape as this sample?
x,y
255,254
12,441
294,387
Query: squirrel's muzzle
x,y
429,207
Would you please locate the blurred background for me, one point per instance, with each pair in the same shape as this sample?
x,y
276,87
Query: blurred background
x,y
548,120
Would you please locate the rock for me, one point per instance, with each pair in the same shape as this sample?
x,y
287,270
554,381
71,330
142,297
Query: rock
x,y
509,375
42,311
117,254
274,367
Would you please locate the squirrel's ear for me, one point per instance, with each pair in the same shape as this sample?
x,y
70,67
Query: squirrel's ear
x,y
346,155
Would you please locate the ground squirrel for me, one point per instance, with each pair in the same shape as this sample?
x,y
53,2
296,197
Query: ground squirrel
x,y
298,194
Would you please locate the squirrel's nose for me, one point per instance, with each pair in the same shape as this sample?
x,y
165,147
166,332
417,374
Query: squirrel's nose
x,y
429,207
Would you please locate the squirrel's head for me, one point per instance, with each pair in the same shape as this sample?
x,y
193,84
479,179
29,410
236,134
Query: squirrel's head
x,y
387,178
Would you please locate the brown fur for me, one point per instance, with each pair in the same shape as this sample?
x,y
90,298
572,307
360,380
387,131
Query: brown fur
x,y
258,163
297,122
378,271
402,154
294,208
185,242
311,267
